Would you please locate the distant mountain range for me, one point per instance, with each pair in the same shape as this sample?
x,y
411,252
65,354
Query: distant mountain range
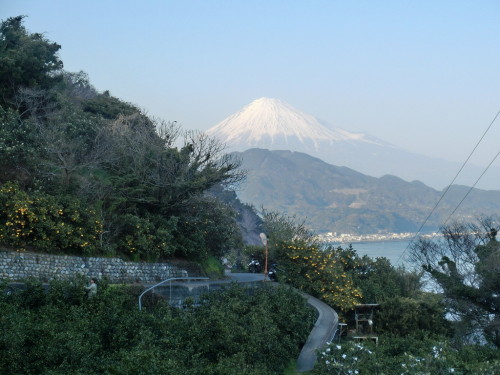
x,y
273,124
340,199
341,181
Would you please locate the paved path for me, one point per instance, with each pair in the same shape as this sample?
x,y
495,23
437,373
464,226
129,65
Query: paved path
x,y
322,332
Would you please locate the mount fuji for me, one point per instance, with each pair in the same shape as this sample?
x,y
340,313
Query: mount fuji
x,y
272,123
275,125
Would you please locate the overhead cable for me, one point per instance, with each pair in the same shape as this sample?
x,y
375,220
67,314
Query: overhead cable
x,y
472,187
451,183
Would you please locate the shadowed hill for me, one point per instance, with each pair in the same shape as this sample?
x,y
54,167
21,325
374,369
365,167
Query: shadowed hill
x,y
339,199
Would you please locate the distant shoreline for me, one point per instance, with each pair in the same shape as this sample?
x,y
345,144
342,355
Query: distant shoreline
x,y
368,238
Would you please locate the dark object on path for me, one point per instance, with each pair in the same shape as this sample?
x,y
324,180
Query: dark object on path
x,y
272,274
254,266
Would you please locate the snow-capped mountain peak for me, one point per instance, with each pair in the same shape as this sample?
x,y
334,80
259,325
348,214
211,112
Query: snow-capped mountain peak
x,y
272,123
275,125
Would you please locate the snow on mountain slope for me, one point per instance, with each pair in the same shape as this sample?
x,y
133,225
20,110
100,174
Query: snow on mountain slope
x,y
268,122
275,125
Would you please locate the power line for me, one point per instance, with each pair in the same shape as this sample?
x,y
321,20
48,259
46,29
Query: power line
x,y
472,187
451,183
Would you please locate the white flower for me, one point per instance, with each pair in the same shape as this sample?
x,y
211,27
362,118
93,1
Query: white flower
x,y
328,350
344,356
355,358
339,347
327,362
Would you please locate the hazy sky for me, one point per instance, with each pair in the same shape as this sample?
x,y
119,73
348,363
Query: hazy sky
x,y
422,75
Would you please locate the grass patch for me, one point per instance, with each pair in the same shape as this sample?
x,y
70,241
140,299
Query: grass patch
x,y
291,369
212,267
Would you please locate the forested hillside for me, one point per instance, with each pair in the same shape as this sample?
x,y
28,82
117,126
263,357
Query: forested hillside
x,y
339,199
86,173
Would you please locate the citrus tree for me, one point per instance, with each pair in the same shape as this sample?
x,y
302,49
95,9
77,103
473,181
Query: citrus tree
x,y
321,272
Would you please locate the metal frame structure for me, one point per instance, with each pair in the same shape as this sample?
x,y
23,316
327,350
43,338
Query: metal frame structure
x,y
164,281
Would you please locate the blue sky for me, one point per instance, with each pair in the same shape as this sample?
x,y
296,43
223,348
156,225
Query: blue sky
x,y
422,75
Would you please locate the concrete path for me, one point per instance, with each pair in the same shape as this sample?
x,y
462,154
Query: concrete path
x,y
323,332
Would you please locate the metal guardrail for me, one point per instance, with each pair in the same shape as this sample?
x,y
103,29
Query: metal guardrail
x,y
167,280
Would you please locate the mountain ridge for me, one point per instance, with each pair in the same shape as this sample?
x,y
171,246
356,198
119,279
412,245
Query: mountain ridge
x,y
340,199
273,124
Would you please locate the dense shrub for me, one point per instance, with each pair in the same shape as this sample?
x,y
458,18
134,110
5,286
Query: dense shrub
x,y
409,355
323,273
406,316
46,223
61,331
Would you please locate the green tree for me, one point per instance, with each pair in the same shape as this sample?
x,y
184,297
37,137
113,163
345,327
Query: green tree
x,y
280,228
379,280
26,61
18,148
59,136
321,272
465,265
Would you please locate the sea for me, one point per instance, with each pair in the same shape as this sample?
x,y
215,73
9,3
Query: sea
x,y
396,251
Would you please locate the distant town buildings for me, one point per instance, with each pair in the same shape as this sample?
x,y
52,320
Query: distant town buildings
x,y
335,237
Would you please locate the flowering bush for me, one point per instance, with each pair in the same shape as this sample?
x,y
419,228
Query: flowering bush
x,y
46,223
343,359
406,356
322,273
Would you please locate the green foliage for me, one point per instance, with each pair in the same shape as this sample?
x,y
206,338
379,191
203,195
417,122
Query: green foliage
x,y
409,355
280,228
209,227
323,273
379,280
59,136
464,263
26,60
141,239
59,331
108,106
408,316
17,146
46,223
212,267
260,332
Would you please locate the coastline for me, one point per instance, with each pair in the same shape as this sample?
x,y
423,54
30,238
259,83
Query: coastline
x,y
347,238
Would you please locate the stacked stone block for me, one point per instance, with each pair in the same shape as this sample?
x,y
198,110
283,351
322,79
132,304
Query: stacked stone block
x,y
17,266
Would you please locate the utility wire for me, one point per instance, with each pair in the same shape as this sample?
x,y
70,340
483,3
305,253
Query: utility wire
x,y
451,183
472,187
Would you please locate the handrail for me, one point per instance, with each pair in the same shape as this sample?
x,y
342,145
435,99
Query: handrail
x,y
164,281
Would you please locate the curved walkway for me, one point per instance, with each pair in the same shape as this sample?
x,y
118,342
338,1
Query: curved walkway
x,y
323,331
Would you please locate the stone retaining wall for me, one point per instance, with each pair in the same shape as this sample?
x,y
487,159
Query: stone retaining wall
x,y
15,266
